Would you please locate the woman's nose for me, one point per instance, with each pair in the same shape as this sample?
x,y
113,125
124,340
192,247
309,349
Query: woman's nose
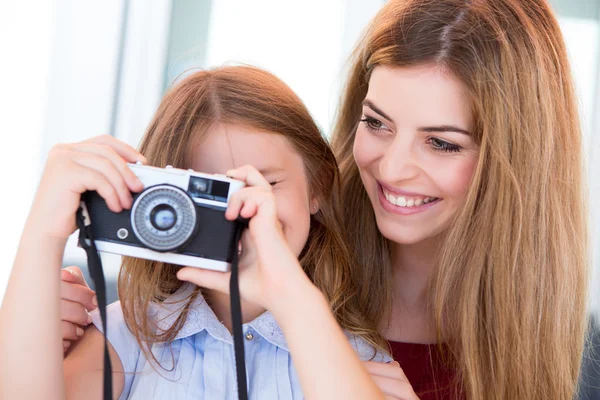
x,y
399,162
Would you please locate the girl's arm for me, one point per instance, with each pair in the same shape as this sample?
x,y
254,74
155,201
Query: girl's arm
x,y
327,366
271,276
30,340
31,364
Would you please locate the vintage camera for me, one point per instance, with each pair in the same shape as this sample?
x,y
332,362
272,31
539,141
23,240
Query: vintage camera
x,y
178,218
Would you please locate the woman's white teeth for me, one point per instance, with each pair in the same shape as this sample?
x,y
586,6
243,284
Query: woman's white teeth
x,y
406,201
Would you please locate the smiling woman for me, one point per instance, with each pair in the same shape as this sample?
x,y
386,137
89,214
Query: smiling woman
x,y
414,152
459,141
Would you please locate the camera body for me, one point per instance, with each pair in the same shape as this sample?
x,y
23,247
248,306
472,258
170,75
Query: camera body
x,y
178,218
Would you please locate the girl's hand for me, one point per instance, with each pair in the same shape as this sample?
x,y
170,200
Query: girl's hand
x,y
391,380
98,164
267,266
76,300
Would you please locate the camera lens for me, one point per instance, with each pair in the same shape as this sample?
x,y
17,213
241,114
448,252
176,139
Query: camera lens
x,y
163,217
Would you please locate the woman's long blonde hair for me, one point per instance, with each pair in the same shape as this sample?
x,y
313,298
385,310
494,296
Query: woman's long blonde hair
x,y
253,98
509,293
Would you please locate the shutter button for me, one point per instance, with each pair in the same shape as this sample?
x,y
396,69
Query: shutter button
x,y
249,336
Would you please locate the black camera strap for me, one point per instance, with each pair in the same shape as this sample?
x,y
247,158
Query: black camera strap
x,y
236,320
86,241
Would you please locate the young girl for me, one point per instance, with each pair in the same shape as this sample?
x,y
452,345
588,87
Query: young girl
x,y
461,156
169,338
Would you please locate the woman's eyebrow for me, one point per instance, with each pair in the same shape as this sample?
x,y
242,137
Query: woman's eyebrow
x,y
430,129
444,128
369,103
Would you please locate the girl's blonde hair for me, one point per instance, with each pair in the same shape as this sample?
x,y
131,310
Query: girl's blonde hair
x,y
509,293
253,98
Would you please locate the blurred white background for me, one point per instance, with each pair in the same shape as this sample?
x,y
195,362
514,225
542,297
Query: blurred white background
x,y
71,70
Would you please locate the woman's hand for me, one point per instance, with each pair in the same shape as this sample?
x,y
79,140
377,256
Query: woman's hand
x,y
266,265
76,300
391,380
98,164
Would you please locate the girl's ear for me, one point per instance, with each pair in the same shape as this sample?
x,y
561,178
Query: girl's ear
x,y
314,206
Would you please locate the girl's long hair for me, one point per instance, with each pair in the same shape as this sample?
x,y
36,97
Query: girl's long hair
x,y
254,98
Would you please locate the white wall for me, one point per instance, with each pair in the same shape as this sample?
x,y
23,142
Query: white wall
x,y
60,65
582,37
60,69
26,40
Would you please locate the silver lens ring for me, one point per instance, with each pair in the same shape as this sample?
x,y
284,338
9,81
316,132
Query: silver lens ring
x,y
178,203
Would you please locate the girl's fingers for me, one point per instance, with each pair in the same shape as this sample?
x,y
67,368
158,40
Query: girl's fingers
x,y
70,331
250,208
250,175
93,180
123,149
109,153
77,293
247,201
215,280
74,313
106,168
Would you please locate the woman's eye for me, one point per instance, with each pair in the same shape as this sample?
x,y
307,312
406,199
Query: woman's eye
x,y
442,145
273,183
373,124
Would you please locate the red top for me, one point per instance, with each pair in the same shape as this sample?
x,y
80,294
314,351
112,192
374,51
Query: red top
x,y
424,367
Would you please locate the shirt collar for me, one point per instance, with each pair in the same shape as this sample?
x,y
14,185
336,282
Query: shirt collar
x,y
201,317
266,326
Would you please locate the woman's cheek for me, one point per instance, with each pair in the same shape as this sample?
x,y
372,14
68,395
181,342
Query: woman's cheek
x,y
455,180
365,149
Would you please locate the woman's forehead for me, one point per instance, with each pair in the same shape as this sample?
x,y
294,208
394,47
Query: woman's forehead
x,y
425,94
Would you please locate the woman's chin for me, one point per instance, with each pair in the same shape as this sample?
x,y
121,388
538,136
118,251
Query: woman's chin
x,y
406,236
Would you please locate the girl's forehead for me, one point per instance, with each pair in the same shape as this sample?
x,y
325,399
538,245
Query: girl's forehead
x,y
224,147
